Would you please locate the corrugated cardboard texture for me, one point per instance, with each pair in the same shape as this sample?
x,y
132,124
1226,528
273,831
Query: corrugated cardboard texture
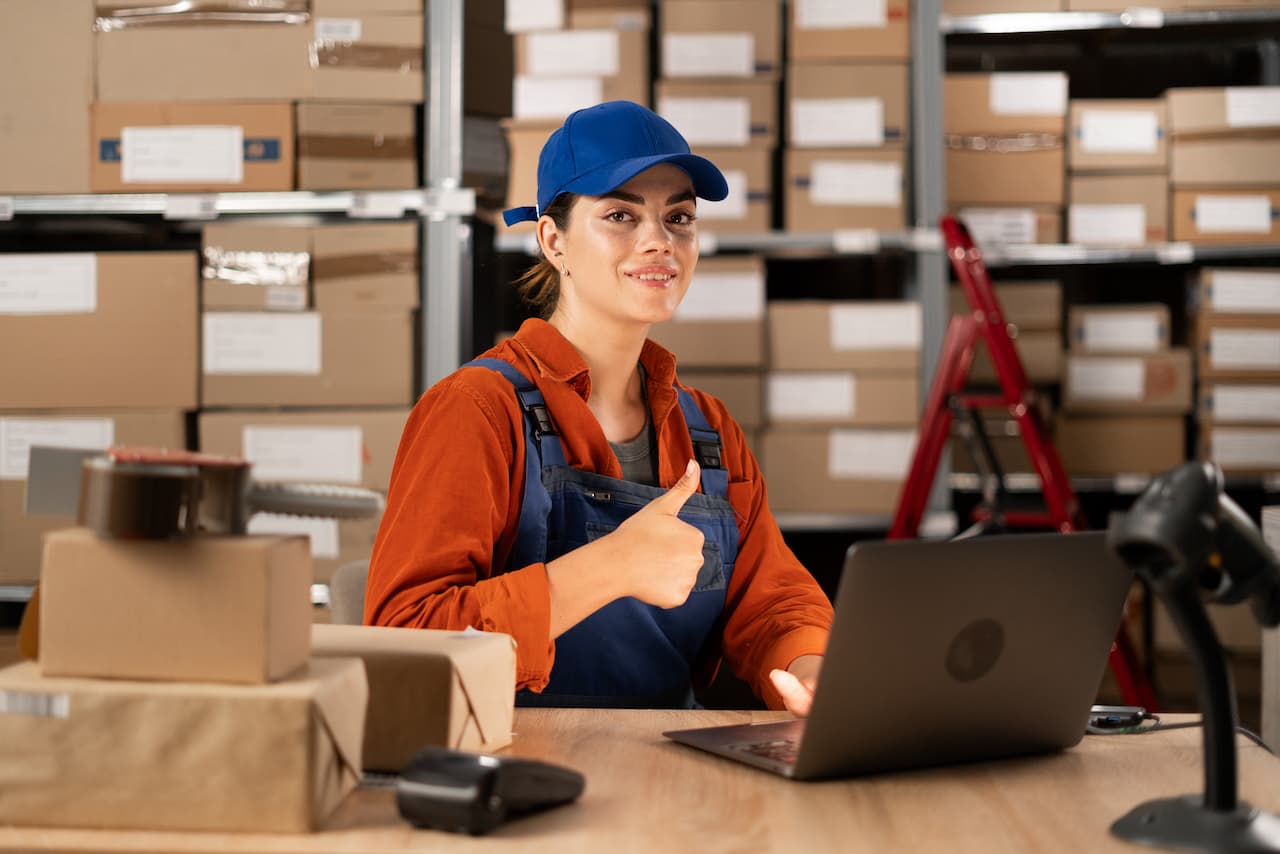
x,y
1006,442
1166,385
966,103
524,143
884,82
46,86
796,467
977,178
741,391
802,213
631,83
385,64
1210,368
363,268
997,7
451,689
761,18
1252,402
1203,112
1119,444
1081,159
356,146
136,350
757,165
204,609
1245,162
879,400
1040,353
1029,306
1241,449
800,340
760,94
1186,227
1046,222
1150,191
731,343
21,536
1154,314
892,41
181,756
255,267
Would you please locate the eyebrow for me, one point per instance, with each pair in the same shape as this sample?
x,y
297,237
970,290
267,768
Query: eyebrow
x,y
682,196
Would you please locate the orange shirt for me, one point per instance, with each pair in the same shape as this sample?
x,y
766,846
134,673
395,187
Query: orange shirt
x,y
454,504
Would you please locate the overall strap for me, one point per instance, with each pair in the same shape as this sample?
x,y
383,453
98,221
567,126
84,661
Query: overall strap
x,y
538,424
706,446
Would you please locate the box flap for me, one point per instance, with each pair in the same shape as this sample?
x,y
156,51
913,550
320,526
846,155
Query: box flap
x,y
490,700
337,708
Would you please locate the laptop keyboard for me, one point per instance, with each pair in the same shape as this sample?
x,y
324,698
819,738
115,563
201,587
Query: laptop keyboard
x,y
778,750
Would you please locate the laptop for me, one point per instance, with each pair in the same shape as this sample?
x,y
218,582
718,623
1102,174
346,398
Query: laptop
x,y
945,652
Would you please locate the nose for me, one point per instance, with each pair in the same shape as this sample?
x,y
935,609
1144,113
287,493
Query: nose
x,y
655,237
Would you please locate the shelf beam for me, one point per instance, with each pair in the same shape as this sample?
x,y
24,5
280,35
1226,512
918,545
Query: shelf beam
x,y
1136,18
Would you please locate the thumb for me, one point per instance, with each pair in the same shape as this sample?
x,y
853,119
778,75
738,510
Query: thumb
x,y
679,493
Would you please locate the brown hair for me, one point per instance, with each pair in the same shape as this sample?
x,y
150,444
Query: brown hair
x,y
539,286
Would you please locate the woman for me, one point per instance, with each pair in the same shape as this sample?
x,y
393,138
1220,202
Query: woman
x,y
550,489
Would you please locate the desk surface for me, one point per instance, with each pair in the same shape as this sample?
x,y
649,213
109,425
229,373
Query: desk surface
x,y
645,793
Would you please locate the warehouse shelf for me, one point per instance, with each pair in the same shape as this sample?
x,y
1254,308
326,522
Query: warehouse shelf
x,y
1121,484
1136,18
1160,253
355,203
16,592
844,242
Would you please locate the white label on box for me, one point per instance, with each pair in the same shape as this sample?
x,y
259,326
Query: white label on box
x,y
1108,225
188,206
339,29
323,532
17,435
1244,348
810,396
861,183
1106,379
524,16
1245,448
176,155
1000,226
573,53
315,454
870,454
6,208
821,122
1246,403
1133,333
732,206
1119,131
554,97
1233,214
840,14
1253,106
1029,94
709,55
723,296
35,704
261,343
875,327
1245,290
709,121
48,284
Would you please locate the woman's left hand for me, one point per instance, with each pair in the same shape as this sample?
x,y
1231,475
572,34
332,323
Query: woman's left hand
x,y
797,683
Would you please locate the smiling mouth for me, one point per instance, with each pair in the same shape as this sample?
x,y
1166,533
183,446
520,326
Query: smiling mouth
x,y
653,278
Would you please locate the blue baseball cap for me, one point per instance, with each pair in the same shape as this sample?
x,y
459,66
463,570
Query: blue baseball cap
x,y
600,148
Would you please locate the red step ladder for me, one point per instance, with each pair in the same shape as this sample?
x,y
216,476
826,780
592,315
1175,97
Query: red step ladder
x,y
948,400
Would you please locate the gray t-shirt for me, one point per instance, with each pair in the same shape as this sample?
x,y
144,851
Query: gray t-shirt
x,y
638,456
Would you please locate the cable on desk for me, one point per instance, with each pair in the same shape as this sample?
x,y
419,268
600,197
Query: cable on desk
x,y
1157,726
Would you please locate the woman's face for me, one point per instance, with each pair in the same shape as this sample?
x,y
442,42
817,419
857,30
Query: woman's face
x,y
630,253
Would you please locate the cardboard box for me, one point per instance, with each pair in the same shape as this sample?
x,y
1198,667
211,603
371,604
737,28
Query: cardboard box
x,y
1005,104
844,470
721,38
994,226
822,31
307,359
842,398
523,17
1031,306
829,189
980,178
107,330
191,148
1238,346
46,87
999,7
1236,627
720,321
525,139
366,58
202,62
1040,353
1132,328
1227,215
863,335
1246,162
365,268
1242,450
357,147
1239,403
721,113
1218,110
1157,382
1118,445
613,63
749,206
1118,136
202,609
1118,210
21,535
255,267
1006,441
830,105
351,447
268,758
741,391
451,689
1237,290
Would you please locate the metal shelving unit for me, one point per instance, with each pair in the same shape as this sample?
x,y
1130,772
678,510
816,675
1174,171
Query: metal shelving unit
x,y
1121,484
1161,253
1136,18
845,242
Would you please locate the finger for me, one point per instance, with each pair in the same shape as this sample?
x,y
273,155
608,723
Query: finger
x,y
797,698
679,493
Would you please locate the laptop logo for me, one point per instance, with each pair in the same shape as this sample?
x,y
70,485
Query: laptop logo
x,y
975,650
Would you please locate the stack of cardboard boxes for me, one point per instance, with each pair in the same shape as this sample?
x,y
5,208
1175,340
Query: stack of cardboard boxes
x,y
847,116
1238,358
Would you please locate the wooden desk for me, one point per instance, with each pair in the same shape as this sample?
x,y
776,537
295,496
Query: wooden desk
x,y
645,793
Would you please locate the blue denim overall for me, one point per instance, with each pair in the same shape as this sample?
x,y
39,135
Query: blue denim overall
x,y
627,654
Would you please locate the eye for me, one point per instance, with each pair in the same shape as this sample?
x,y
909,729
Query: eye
x,y
683,218
617,216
